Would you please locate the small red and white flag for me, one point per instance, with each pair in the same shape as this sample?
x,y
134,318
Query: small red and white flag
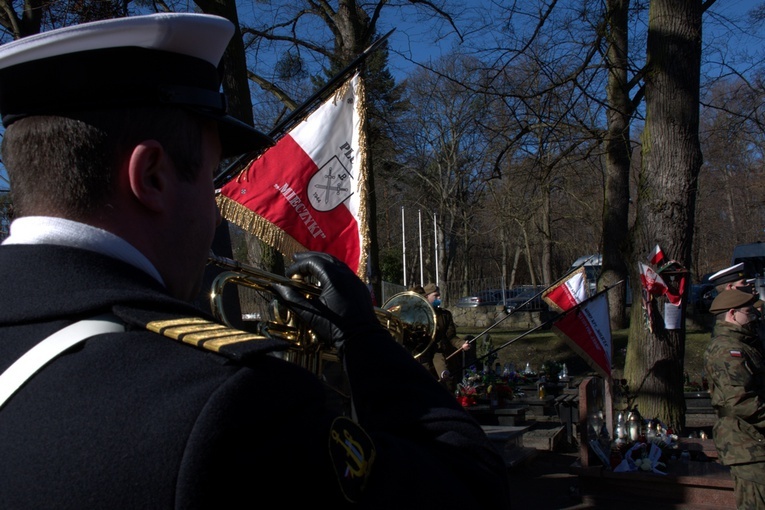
x,y
309,191
588,329
657,256
569,293
655,285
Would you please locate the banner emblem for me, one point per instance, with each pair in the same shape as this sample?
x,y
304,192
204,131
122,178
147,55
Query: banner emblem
x,y
330,186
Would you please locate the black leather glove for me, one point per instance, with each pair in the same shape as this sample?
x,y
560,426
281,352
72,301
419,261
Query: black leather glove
x,y
343,309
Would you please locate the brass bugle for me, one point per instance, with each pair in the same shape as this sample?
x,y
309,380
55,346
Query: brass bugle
x,y
260,279
305,348
408,316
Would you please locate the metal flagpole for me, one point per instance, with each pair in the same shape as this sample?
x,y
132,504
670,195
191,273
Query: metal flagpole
x,y
435,243
548,322
532,298
403,242
419,215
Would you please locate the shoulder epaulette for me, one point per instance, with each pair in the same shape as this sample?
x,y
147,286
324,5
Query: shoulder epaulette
x,y
212,336
184,325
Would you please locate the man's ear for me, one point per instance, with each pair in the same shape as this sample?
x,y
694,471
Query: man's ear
x,y
148,169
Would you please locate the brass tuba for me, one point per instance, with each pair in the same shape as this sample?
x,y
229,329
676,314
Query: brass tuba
x,y
408,316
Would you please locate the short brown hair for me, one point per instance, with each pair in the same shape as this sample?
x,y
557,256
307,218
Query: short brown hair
x,y
67,164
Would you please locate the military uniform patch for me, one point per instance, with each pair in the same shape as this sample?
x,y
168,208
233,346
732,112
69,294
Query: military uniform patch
x,y
735,353
352,453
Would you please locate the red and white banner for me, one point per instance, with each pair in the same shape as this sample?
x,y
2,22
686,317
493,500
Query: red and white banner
x,y
652,283
308,192
657,256
567,294
588,331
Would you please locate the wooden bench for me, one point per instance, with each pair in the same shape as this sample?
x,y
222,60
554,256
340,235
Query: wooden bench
x,y
509,416
692,485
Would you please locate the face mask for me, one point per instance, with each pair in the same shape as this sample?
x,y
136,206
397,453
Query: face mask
x,y
436,302
753,326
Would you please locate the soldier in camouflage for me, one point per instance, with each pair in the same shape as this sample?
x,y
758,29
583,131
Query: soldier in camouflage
x,y
735,362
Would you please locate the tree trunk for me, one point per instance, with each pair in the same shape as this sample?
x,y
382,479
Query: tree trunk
x,y
666,200
618,152
236,84
373,270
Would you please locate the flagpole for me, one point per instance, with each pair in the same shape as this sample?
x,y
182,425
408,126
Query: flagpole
x,y
435,243
403,242
301,110
419,216
546,323
532,298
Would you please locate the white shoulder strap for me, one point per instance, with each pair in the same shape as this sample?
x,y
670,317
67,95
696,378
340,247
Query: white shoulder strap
x,y
39,355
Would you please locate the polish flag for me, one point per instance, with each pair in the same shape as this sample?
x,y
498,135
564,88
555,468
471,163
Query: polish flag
x,y
651,281
588,331
586,327
657,256
308,192
569,293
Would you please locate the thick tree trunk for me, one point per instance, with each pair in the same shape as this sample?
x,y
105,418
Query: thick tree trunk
x,y
666,201
618,152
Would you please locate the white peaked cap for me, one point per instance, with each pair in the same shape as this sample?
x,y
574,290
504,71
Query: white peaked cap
x,y
154,60
728,275
197,35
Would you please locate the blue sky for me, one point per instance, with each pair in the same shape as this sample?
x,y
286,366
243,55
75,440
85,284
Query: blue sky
x,y
420,40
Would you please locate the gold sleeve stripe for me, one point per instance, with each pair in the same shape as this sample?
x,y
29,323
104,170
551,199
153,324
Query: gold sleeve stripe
x,y
201,333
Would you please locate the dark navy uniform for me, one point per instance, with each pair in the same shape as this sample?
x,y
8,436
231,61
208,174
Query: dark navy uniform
x,y
147,420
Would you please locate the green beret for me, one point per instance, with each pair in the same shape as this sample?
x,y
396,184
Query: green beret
x,y
732,298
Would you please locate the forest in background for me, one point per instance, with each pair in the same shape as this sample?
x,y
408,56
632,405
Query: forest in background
x,y
491,141
492,157
546,130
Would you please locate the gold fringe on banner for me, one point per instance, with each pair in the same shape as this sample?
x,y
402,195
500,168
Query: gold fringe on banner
x,y
363,187
258,226
280,240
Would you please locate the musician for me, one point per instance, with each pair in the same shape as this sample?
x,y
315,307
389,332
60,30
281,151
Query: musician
x,y
446,342
129,396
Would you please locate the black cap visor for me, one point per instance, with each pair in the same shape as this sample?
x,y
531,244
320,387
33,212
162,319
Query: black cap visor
x,y
119,78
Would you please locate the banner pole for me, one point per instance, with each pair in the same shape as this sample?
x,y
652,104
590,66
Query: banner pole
x,y
300,111
419,219
435,243
532,298
545,323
